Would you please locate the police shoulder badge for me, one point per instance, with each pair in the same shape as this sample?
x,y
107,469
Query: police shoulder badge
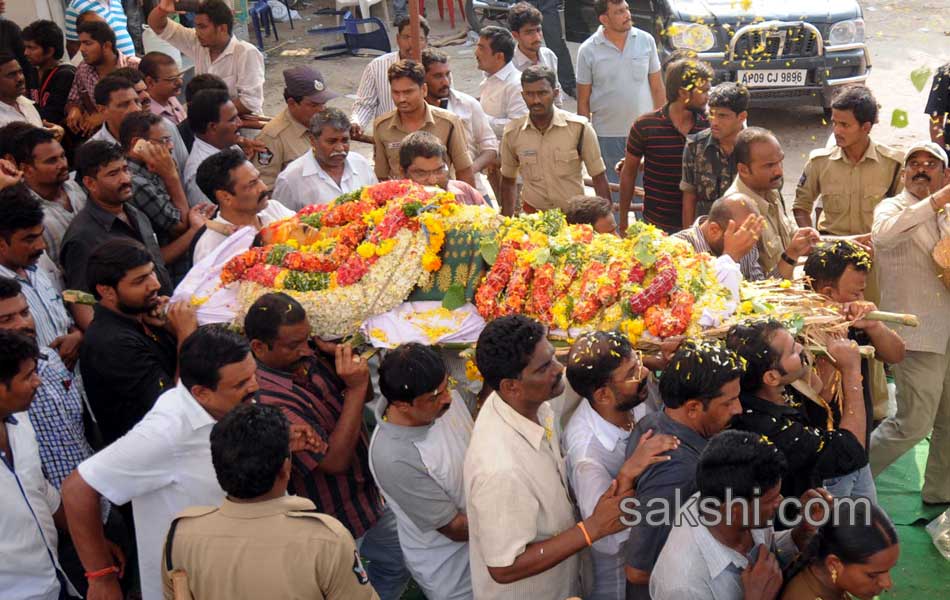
x,y
265,156
358,569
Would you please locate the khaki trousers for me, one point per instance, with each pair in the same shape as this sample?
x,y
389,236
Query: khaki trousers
x,y
923,403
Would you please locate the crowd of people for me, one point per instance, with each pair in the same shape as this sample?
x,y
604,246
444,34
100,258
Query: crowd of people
x,y
147,456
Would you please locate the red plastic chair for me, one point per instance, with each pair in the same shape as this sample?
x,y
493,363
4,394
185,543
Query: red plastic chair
x,y
422,7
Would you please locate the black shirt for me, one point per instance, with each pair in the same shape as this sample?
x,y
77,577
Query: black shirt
x,y
51,91
938,104
125,368
813,453
662,480
94,225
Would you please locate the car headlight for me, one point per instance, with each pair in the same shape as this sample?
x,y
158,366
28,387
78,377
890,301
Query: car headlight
x,y
691,36
846,32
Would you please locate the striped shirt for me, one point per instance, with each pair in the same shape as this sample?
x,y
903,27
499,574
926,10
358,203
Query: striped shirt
x,y
113,14
50,316
315,398
656,139
373,97
749,265
56,414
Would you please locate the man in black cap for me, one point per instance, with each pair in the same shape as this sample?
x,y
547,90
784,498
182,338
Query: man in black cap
x,y
285,138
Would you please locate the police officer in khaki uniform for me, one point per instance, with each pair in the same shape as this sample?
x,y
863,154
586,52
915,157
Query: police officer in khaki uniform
x,y
547,147
853,176
260,543
407,84
285,137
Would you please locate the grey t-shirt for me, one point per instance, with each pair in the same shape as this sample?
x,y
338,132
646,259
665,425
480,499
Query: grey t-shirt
x,y
403,476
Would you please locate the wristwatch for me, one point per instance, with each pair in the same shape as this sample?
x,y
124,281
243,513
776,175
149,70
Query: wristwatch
x,y
787,259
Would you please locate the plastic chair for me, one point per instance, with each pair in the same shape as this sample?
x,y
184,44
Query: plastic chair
x,y
442,10
364,5
354,41
262,15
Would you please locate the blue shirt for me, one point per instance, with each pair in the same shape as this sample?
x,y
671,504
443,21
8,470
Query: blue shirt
x,y
619,80
664,481
50,316
56,414
113,14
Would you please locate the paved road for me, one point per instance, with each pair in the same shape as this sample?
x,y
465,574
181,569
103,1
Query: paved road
x,y
902,35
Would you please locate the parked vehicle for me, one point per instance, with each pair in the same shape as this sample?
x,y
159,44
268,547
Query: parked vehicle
x,y
785,52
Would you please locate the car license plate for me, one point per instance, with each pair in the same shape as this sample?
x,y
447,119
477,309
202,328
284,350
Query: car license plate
x,y
773,78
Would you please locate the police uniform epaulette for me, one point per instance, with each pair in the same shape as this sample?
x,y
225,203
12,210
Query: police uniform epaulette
x,y
823,151
189,513
891,153
569,116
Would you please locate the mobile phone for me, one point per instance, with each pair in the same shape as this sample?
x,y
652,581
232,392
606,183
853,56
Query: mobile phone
x,y
141,147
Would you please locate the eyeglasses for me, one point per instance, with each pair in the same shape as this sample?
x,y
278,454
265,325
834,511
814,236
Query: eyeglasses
x,y
423,174
164,140
927,164
641,372
176,77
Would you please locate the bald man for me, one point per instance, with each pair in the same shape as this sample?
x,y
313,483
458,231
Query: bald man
x,y
732,228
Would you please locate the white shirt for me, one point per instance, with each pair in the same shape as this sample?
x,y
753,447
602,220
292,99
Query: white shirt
x,y
694,565
594,451
200,150
304,182
209,240
478,131
546,58
240,65
23,111
373,97
27,504
500,95
163,465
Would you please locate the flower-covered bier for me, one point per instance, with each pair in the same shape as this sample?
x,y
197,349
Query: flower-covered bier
x,y
572,279
358,256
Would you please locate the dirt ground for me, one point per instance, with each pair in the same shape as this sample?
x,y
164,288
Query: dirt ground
x,y
903,35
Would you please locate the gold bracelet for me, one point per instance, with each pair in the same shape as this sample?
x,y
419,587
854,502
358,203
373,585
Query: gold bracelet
x,y
586,535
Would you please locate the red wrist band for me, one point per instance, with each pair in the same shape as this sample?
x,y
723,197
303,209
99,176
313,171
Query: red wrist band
x,y
102,572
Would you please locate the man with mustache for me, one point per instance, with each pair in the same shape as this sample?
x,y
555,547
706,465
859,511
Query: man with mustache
x,y
905,230
128,356
605,370
162,465
328,170
21,246
163,81
157,189
424,160
325,386
235,186
102,169
14,105
700,392
524,22
416,456
214,120
407,84
45,169
287,137
772,407
482,141
618,79
547,147
524,538
851,177
500,89
57,415
759,159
